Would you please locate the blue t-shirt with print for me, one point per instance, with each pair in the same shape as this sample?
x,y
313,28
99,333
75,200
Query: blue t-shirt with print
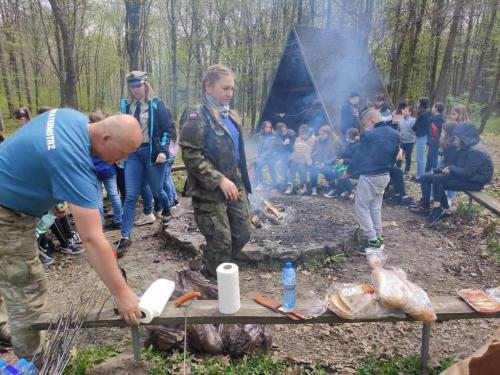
x,y
48,161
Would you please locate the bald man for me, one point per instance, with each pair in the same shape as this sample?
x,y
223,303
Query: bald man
x,y
372,161
47,162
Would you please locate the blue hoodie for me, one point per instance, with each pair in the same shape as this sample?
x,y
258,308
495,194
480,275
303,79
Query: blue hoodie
x,y
377,151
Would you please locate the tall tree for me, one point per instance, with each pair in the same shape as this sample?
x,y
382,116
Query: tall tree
x,y
483,50
133,28
442,84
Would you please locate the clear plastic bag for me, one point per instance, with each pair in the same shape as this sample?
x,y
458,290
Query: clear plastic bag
x,y
357,301
376,257
394,290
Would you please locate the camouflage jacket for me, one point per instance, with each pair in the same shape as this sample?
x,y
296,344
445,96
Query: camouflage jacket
x,y
209,154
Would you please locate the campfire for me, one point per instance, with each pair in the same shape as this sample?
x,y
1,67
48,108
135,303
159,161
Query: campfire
x,y
263,210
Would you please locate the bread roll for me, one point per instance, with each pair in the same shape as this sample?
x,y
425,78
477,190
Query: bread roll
x,y
392,291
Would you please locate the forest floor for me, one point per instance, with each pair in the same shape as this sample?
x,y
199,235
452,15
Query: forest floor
x,y
459,254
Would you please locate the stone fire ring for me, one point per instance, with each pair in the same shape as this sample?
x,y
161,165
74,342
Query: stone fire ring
x,y
311,228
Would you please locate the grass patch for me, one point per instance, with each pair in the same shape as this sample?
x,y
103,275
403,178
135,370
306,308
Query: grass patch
x,y
462,208
492,239
397,364
259,364
83,361
321,262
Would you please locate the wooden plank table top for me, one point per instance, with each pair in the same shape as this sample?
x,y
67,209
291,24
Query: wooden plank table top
x,y
206,312
485,200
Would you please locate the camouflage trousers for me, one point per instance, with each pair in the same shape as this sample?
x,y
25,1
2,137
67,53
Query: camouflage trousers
x,y
23,284
226,227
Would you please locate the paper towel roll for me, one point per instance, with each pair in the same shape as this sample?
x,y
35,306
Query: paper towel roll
x,y
155,298
228,284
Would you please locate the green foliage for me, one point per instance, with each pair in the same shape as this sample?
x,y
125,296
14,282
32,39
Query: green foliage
x,y
319,263
463,207
493,239
82,361
259,364
398,364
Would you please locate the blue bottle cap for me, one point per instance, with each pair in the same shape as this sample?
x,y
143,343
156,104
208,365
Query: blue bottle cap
x,y
288,265
22,362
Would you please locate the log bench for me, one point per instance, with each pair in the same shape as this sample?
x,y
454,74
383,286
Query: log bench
x,y
206,312
484,200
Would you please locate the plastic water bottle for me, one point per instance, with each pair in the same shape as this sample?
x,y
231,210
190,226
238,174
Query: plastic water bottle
x,y
288,279
6,369
45,222
26,367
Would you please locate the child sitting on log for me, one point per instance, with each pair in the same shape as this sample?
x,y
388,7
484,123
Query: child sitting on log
x,y
326,150
344,184
301,159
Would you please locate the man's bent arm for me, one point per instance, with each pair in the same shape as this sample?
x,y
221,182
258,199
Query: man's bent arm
x,y
102,259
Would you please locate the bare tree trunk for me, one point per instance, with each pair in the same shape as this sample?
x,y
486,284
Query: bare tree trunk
x,y
5,78
440,93
133,9
173,47
68,43
408,68
494,100
461,81
27,86
483,50
437,29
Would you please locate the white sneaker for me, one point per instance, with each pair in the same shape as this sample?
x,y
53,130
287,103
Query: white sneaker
x,y
146,219
314,191
289,189
157,215
303,190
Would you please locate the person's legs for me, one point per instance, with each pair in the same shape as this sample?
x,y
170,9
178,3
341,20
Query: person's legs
x,y
100,201
407,149
432,157
147,198
259,169
302,168
272,172
397,181
420,145
314,172
213,223
238,213
134,174
23,284
364,196
168,184
120,181
156,178
114,198
379,183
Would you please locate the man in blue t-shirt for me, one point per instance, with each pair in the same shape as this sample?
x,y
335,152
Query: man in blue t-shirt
x,y
48,161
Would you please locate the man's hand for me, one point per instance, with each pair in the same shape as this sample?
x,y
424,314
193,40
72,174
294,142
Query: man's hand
x,y
339,161
127,304
345,175
446,170
286,142
229,189
161,158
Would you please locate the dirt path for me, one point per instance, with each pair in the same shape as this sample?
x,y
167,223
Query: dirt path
x,y
442,261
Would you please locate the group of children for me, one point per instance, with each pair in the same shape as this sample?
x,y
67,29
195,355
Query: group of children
x,y
286,155
444,150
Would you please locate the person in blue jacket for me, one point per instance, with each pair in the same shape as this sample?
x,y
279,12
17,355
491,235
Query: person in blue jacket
x,y
376,154
147,163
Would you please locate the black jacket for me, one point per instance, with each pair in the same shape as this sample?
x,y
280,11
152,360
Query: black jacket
x,y
474,162
349,151
348,119
377,151
422,126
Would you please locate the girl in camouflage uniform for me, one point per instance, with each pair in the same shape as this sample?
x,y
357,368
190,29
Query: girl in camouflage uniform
x,y
214,155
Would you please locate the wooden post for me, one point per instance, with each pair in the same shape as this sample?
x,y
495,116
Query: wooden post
x,y
424,350
136,344
469,209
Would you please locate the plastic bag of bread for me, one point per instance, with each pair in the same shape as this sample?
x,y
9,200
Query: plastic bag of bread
x,y
356,301
395,291
376,257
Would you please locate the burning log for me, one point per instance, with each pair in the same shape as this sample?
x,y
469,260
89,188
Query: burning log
x,y
255,219
271,209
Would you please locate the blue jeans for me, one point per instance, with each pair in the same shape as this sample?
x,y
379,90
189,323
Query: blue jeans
x,y
138,172
112,191
168,188
420,144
